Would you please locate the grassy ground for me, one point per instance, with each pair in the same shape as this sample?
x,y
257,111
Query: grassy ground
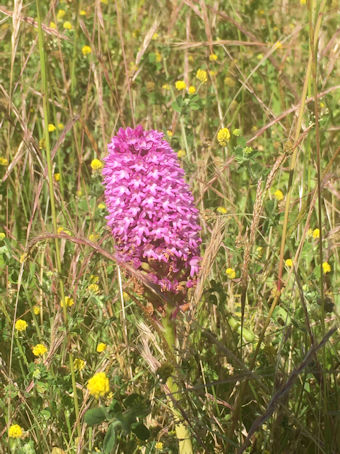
x,y
258,348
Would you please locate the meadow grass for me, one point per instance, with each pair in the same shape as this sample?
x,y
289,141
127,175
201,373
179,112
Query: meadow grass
x,y
255,367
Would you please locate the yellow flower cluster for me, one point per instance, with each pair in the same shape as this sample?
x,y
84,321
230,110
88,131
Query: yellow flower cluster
x,y
67,302
278,195
78,364
316,233
101,347
86,50
3,161
181,153
231,273
39,350
289,263
57,176
60,14
326,267
96,164
221,210
2,236
15,431
51,127
67,25
98,385
180,85
93,288
191,90
20,325
202,76
213,57
223,136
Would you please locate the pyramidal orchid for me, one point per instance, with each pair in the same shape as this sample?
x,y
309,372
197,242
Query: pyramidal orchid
x,y
151,210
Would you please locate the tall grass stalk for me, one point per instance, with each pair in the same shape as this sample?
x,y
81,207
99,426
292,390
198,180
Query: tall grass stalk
x,y
44,92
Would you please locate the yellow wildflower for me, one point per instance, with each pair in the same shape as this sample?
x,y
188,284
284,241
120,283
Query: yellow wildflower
x,y
39,350
221,210
212,73
191,90
36,310
82,12
159,445
60,126
93,236
20,325
86,50
101,206
93,288
202,76
51,127
53,25
289,263
230,82
166,87
23,257
181,153
57,176
169,133
67,302
230,272
62,230
303,2
78,364
213,57
15,431
2,236
101,347
158,56
326,268
96,164
180,85
3,161
67,25
98,385
94,278
277,45
223,136
60,14
155,36
316,233
237,132
278,195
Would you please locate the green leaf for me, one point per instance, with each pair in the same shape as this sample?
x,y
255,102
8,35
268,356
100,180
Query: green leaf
x,y
137,405
95,416
109,440
142,432
176,107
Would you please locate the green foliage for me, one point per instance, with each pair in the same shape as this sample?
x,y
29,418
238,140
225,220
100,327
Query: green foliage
x,y
234,353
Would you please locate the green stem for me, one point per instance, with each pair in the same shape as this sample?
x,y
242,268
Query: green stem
x,y
182,432
44,92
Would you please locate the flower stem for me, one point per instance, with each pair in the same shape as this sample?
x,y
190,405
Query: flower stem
x,y
181,428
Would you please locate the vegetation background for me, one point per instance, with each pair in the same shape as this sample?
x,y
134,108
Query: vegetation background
x,y
251,368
